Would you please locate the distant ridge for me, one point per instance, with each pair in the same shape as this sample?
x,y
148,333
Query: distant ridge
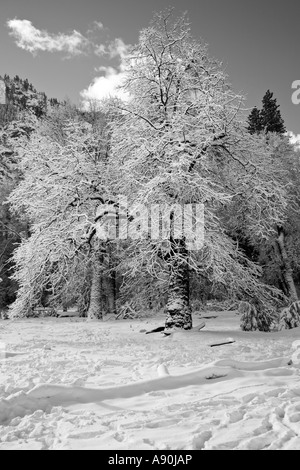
x,y
21,94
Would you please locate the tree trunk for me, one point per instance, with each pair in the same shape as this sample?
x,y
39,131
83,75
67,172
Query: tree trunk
x,y
286,268
110,281
111,292
178,311
85,295
95,306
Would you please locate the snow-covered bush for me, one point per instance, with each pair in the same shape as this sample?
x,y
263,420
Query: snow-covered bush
x,y
290,317
253,318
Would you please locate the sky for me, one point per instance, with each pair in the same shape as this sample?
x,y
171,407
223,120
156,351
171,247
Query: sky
x,y
74,48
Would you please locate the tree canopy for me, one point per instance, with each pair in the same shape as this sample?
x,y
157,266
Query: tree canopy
x,y
176,149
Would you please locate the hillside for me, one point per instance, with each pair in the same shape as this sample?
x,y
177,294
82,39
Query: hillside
x,y
21,95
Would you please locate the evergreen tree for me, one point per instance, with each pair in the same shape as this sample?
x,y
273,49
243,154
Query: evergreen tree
x,y
270,116
255,121
26,84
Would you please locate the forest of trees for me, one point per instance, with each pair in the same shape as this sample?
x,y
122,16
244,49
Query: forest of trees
x,y
69,176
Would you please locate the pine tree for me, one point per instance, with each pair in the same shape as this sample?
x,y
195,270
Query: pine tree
x,y
255,121
270,116
26,84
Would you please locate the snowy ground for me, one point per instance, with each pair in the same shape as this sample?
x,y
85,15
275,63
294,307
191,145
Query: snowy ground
x,y
73,384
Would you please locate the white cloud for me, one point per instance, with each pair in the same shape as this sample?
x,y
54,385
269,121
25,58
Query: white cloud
x,y
118,48
31,39
100,50
105,86
115,49
294,139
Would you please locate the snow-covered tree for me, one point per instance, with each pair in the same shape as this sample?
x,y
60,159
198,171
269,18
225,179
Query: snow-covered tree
x,y
64,181
281,255
15,130
181,139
